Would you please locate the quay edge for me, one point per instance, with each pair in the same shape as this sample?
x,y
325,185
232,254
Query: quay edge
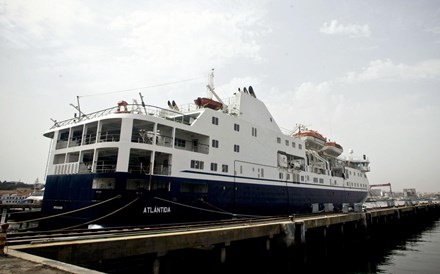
x,y
295,232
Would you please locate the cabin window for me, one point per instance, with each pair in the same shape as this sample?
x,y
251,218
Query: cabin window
x,y
214,143
236,127
161,185
110,130
106,160
241,169
214,120
103,183
254,131
236,148
137,184
63,139
302,178
300,146
139,161
315,180
72,157
194,187
288,176
278,140
213,166
197,164
293,144
142,132
90,133
179,143
321,181
225,168
262,172
59,159
76,136
280,175
287,142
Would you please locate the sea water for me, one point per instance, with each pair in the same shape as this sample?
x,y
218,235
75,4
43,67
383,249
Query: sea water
x,y
419,253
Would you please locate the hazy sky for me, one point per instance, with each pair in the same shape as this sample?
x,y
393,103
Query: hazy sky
x,y
364,73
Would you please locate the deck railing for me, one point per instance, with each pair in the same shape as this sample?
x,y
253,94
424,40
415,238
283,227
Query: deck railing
x,y
169,114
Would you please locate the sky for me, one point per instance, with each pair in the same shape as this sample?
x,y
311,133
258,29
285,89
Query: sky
x,y
365,74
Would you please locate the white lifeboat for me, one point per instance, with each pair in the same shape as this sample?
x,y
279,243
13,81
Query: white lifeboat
x,y
313,139
332,149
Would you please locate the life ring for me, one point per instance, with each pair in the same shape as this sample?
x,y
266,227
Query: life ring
x,y
122,104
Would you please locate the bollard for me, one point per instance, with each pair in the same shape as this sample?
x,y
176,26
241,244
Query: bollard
x,y
4,228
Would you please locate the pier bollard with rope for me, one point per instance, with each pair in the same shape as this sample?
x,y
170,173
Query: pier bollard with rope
x,y
4,228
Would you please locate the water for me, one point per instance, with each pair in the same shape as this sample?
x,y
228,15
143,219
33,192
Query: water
x,y
420,253
412,247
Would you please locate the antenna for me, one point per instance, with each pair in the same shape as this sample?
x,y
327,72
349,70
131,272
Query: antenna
x,y
210,85
80,113
142,100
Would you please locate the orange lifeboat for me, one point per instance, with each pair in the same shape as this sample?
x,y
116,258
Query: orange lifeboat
x,y
208,103
332,149
313,139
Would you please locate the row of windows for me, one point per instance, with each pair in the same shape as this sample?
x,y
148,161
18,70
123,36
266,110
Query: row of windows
x,y
359,174
287,142
321,180
146,185
356,184
195,164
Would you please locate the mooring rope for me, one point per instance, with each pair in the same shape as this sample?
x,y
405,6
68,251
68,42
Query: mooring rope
x,y
68,212
97,219
214,211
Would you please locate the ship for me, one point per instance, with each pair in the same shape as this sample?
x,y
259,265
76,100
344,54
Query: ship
x,y
139,164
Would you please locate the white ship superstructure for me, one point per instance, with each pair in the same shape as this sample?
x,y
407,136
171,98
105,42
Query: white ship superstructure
x,y
210,156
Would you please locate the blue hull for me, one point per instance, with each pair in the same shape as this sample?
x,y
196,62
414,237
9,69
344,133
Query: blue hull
x,y
175,200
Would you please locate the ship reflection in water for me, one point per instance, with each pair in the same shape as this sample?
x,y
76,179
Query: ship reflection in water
x,y
410,249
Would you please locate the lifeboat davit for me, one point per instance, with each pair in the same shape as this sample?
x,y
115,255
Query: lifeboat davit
x,y
332,149
313,139
208,103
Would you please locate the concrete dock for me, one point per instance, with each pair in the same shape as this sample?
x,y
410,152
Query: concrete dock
x,y
75,255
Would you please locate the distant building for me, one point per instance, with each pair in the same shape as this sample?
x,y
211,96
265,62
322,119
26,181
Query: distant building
x,y
409,193
12,199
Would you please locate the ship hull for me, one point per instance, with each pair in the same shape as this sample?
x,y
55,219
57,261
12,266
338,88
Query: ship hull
x,y
170,200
